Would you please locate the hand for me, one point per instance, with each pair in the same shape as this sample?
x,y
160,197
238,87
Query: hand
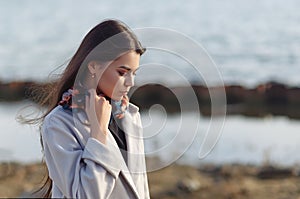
x,y
98,110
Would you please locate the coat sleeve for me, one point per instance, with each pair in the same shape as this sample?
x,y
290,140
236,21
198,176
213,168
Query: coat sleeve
x,y
79,173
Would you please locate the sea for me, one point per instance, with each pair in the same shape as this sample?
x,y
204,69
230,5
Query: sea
x,y
247,43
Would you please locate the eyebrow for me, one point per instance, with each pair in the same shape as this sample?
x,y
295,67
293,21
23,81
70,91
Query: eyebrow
x,y
127,68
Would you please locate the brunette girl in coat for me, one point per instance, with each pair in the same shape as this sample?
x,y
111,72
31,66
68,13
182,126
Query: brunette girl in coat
x,y
92,135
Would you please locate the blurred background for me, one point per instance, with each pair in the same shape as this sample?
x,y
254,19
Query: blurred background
x,y
254,44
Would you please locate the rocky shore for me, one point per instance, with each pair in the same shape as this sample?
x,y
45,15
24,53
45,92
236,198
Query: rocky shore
x,y
178,181
271,98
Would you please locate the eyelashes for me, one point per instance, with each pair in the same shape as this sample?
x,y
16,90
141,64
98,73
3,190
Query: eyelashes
x,y
122,73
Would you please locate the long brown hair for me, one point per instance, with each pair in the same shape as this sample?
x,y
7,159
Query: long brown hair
x,y
86,51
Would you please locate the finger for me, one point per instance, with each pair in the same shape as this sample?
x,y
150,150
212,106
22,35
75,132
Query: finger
x,y
92,98
87,104
92,92
102,98
106,106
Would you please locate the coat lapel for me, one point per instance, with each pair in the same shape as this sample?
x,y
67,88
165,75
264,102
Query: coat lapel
x,y
133,138
126,125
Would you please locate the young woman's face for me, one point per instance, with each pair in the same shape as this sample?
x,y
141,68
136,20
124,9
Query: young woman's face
x,y
118,77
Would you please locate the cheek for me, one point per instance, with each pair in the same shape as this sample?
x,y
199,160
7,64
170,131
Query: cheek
x,y
115,82
109,82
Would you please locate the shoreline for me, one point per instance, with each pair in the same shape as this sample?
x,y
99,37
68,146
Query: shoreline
x,y
270,98
235,181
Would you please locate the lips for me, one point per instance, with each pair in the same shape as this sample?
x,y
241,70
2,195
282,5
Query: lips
x,y
124,92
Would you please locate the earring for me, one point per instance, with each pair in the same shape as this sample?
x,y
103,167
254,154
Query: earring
x,y
93,75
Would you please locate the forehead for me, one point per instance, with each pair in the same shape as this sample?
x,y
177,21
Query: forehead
x,y
130,59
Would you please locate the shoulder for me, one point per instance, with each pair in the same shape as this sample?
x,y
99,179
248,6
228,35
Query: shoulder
x,y
59,130
60,125
57,114
58,118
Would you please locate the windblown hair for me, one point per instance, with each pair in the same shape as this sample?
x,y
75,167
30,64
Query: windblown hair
x,y
105,42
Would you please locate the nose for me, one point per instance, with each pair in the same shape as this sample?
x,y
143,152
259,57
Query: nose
x,y
129,80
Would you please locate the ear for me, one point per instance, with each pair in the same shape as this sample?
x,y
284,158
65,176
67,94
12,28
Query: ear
x,y
93,67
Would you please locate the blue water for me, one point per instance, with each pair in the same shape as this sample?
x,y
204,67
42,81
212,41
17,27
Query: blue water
x,y
250,41
243,140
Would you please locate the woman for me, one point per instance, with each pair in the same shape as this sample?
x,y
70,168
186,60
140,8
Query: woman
x,y
91,134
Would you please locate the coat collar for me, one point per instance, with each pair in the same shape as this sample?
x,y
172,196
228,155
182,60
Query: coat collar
x,y
132,132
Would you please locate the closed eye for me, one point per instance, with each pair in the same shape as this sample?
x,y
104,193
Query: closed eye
x,y
122,70
121,73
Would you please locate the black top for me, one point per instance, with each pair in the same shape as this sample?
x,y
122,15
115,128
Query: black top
x,y
119,136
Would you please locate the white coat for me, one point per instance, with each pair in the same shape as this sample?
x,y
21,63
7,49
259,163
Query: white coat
x,y
83,167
